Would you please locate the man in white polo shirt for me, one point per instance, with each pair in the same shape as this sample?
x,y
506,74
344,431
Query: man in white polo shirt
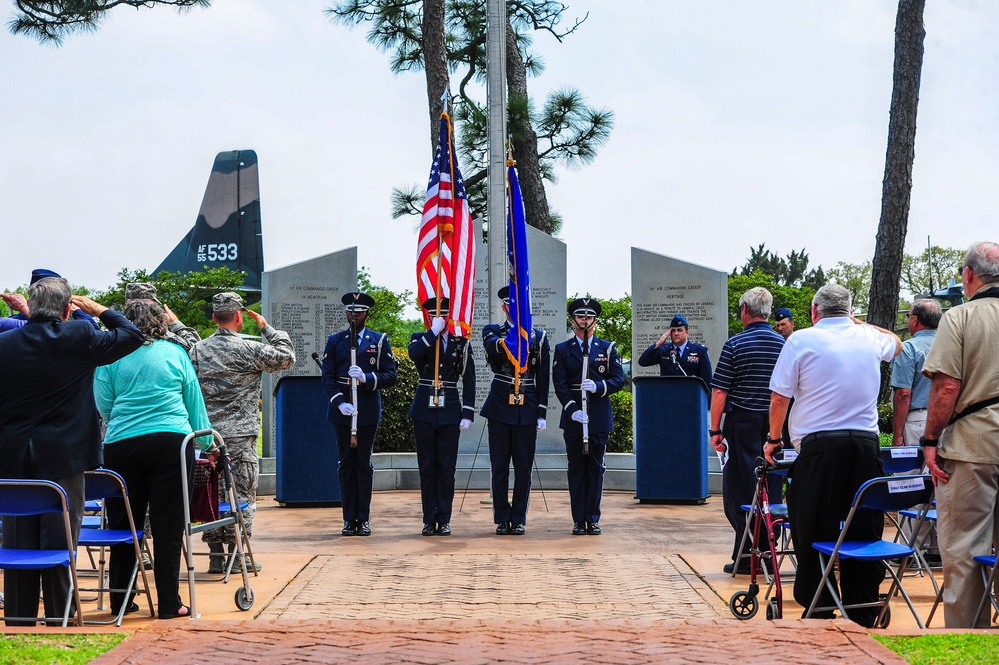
x,y
833,372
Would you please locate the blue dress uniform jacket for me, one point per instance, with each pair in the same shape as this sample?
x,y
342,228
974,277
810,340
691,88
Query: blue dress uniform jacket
x,y
456,365
534,383
694,360
436,429
355,471
374,356
585,473
513,432
605,370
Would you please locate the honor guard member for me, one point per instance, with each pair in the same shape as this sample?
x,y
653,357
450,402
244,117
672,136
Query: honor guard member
x,y
586,431
515,418
439,413
374,370
680,357
229,371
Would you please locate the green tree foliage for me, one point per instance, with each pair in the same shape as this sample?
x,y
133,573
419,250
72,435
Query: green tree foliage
x,y
791,270
797,299
188,295
936,264
856,277
51,21
387,314
395,431
566,131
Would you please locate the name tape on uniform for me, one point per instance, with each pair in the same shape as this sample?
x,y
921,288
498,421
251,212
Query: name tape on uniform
x,y
899,452
900,486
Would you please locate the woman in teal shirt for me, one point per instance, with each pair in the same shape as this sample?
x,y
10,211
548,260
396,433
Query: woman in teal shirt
x,y
150,400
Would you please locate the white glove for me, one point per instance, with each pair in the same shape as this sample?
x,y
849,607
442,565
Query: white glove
x,y
542,424
589,386
356,372
437,325
346,408
464,424
579,416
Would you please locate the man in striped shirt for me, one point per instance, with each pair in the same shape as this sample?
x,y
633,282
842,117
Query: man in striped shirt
x,y
740,389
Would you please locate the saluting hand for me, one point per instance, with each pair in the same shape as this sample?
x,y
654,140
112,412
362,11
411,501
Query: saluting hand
x,y
257,318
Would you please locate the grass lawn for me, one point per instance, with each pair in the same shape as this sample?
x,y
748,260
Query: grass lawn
x,y
975,648
25,649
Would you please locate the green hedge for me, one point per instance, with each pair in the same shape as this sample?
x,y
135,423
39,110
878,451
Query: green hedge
x,y
395,431
622,438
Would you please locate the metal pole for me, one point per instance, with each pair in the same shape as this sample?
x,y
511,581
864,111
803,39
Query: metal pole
x,y
496,264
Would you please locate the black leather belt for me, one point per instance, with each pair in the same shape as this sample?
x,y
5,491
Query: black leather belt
x,y
502,378
840,434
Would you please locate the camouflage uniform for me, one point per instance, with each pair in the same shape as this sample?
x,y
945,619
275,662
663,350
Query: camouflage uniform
x,y
229,370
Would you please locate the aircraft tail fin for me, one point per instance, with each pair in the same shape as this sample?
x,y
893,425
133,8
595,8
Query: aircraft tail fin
x,y
227,231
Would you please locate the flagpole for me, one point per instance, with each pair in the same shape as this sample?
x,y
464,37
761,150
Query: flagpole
x,y
496,264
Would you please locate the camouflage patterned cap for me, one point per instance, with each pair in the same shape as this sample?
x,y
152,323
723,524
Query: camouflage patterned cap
x,y
227,302
140,291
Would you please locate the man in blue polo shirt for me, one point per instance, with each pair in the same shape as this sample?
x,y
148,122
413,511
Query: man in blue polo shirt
x,y
912,390
741,390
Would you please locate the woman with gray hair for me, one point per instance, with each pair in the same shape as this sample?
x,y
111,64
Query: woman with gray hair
x,y
150,400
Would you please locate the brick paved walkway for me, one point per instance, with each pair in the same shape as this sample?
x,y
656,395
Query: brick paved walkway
x,y
468,642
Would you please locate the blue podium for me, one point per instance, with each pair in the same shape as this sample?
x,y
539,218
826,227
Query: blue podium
x,y
307,456
671,439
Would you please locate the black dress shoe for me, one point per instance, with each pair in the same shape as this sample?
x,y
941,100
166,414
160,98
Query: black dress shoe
x,y
429,529
443,529
363,529
132,607
516,529
578,528
503,529
592,529
743,569
348,528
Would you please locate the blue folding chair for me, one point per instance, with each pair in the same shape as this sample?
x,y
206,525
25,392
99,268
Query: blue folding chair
x,y
902,459
882,494
989,573
22,498
102,484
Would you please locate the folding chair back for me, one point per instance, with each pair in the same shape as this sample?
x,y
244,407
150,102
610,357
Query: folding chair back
x,y
105,484
894,494
902,459
990,568
23,498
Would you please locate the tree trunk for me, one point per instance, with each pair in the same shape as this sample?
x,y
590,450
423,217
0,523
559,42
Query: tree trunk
x,y
435,63
525,140
896,190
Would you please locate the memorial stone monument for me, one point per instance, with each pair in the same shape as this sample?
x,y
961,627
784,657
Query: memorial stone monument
x,y
303,300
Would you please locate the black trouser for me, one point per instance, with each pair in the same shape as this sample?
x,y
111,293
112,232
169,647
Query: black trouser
x,y
437,456
46,532
585,473
355,471
821,487
150,466
745,432
516,442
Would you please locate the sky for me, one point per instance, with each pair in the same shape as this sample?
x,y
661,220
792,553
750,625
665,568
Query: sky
x,y
735,124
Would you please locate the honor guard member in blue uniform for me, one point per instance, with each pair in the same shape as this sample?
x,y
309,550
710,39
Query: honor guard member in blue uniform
x,y
375,369
515,418
680,357
440,414
605,376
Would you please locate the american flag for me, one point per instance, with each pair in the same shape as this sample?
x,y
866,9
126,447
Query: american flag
x,y
447,240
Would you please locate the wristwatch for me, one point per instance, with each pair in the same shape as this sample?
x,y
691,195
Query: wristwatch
x,y
776,441
928,443
714,432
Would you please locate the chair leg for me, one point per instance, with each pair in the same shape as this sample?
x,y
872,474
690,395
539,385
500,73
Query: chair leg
x,y
990,581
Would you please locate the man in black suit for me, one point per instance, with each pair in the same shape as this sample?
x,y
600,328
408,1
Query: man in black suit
x,y
440,413
604,376
49,427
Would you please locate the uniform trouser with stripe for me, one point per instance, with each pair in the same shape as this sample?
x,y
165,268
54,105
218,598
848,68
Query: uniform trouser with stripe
x,y
585,474
506,443
437,456
355,471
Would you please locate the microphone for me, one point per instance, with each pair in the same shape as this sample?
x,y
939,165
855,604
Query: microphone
x,y
676,364
315,356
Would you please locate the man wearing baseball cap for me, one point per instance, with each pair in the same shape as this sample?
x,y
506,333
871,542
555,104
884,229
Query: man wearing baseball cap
x,y
784,322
